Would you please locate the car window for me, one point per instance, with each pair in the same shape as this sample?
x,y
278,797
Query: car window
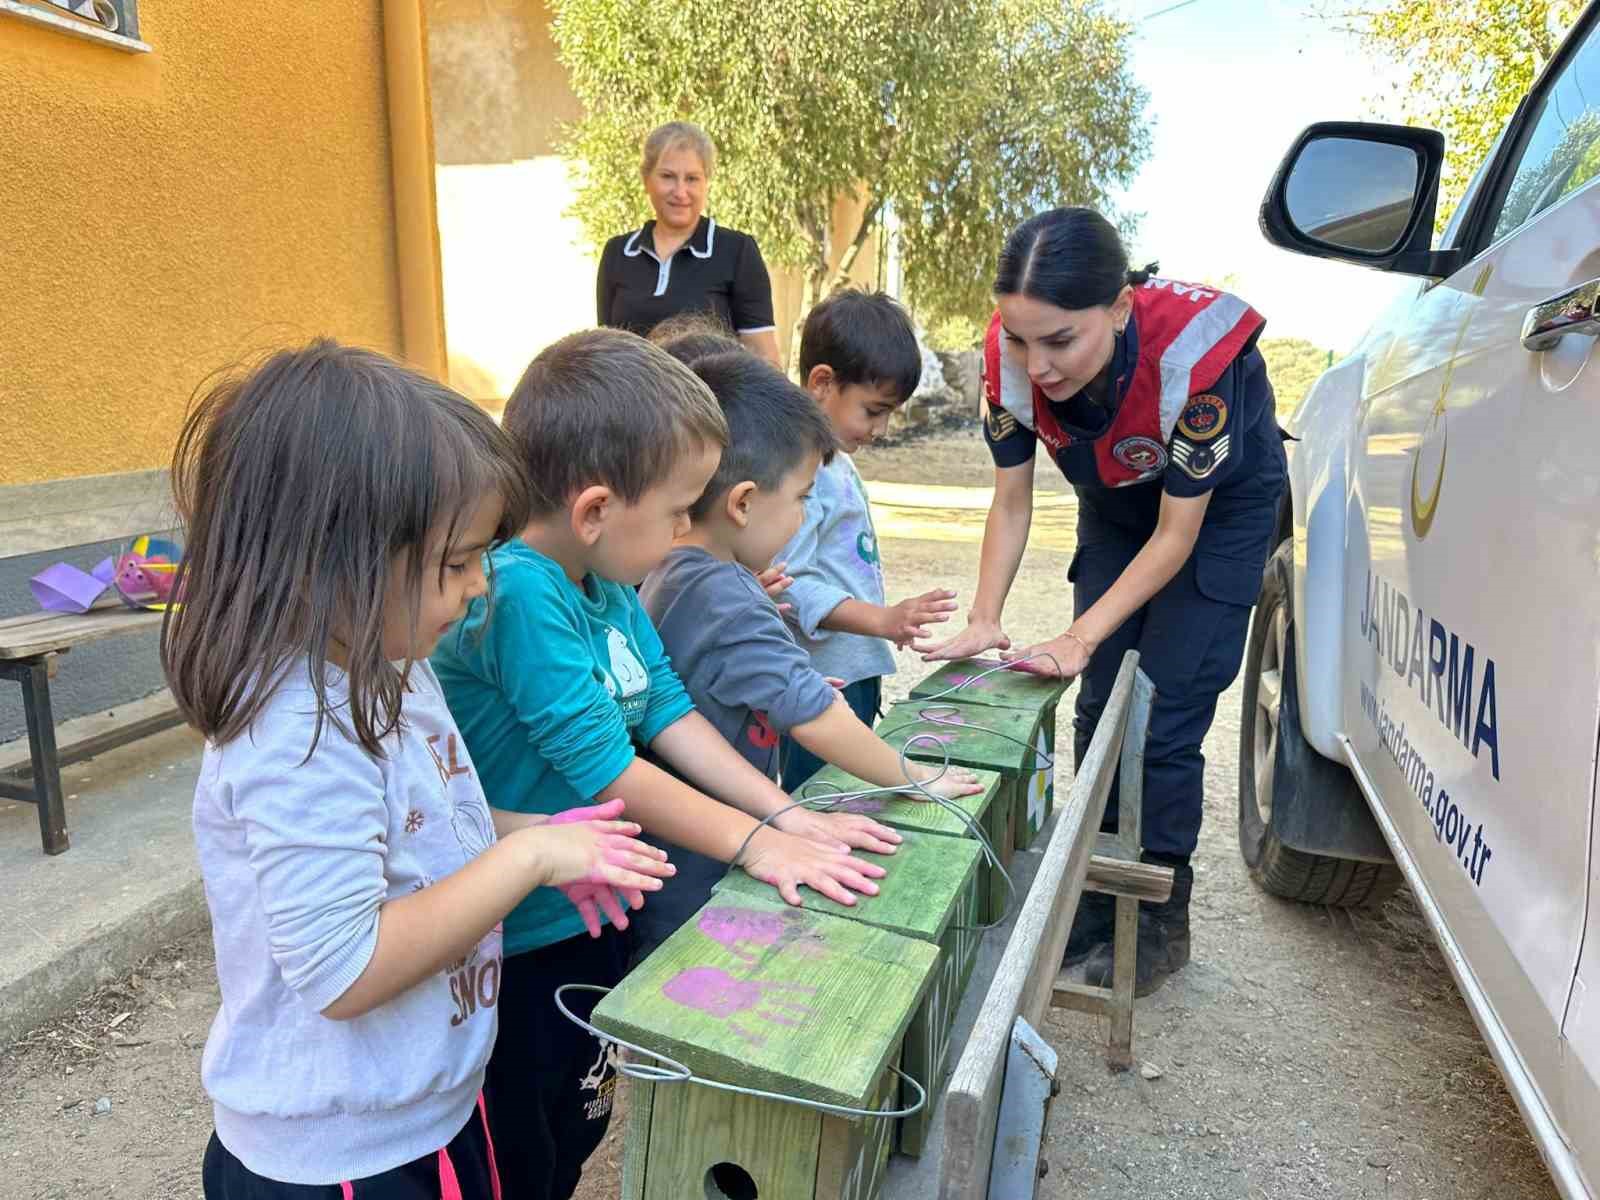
x,y
1563,153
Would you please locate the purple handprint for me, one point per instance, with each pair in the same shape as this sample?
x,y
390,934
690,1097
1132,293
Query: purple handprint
x,y
980,682
736,929
718,994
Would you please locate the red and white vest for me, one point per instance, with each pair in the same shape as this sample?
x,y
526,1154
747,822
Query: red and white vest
x,y
1187,336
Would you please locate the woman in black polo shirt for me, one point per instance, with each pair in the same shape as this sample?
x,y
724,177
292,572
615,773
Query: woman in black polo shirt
x,y
683,261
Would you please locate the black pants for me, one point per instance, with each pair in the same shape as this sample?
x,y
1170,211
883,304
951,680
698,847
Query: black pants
x,y
468,1159
1190,637
550,1085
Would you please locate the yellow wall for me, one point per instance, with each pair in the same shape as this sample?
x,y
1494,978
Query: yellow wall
x,y
517,274
164,214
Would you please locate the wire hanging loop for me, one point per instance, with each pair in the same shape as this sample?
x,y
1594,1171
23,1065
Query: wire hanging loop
x,y
675,1072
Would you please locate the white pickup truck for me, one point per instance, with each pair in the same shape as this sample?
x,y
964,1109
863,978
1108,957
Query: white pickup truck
x,y
1422,686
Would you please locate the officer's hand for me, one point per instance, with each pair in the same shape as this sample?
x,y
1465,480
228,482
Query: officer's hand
x,y
972,641
1059,658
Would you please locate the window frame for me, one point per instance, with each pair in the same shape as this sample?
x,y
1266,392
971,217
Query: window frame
x,y
57,16
1477,231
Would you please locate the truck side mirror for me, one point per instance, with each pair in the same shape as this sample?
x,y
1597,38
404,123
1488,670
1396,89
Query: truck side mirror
x,y
1361,193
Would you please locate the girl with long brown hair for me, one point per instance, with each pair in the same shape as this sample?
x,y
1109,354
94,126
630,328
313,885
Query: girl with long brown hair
x,y
338,508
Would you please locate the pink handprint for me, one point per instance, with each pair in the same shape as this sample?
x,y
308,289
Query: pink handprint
x,y
980,682
718,994
735,929
861,805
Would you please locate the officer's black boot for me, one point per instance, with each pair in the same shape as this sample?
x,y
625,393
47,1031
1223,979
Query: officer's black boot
x,y
1091,926
1163,945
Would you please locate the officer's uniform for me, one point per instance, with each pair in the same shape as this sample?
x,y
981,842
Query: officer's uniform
x,y
1190,411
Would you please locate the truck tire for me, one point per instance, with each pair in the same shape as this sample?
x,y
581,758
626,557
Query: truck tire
x,y
1274,754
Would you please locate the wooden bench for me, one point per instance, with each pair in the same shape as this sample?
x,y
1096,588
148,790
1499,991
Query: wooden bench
x,y
29,648
43,519
980,1160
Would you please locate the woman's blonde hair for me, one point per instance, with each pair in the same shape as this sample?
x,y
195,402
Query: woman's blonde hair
x,y
674,134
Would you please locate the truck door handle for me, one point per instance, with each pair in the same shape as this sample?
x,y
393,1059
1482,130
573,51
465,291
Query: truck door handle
x,y
1577,311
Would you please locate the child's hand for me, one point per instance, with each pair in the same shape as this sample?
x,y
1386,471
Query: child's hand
x,y
587,852
775,582
839,830
954,783
786,862
908,621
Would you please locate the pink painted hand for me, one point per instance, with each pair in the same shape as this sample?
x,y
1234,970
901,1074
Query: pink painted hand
x,y
616,861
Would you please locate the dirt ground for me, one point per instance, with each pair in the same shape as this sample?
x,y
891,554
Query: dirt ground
x,y
1305,1052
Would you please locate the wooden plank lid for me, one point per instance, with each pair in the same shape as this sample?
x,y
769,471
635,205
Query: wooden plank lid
x,y
753,992
996,739
917,898
905,810
1004,689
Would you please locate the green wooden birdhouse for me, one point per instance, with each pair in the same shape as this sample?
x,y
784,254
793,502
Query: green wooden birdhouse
x,y
1016,691
990,809
930,893
754,993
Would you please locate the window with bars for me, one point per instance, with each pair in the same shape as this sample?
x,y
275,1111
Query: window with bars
x,y
93,18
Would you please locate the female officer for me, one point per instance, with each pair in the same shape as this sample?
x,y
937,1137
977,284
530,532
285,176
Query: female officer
x,y
683,261
1154,402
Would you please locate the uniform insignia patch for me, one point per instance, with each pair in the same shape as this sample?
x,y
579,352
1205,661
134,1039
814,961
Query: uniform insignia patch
x,y
1140,454
1000,422
1199,461
1203,418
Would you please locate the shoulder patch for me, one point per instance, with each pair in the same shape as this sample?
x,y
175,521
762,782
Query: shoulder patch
x,y
1000,422
1198,461
1203,418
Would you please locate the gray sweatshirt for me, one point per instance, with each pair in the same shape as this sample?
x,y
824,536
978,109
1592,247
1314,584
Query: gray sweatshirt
x,y
741,667
297,857
834,558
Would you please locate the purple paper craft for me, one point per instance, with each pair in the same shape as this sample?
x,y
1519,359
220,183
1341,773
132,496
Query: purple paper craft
x,y
67,589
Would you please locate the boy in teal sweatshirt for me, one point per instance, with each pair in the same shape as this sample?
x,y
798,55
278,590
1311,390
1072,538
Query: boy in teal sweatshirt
x,y
558,687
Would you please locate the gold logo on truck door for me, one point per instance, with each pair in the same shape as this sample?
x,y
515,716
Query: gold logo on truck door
x,y
1423,506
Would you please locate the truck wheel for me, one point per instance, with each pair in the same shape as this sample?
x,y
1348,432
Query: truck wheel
x,y
1274,755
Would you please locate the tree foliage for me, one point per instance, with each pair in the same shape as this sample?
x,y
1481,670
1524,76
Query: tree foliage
x,y
963,117
1293,365
1466,64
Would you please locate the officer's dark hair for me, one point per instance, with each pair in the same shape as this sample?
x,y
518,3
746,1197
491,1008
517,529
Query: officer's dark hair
x,y
1069,257
866,338
773,424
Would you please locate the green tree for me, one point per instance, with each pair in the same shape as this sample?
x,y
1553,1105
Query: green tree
x,y
962,116
1293,365
1466,64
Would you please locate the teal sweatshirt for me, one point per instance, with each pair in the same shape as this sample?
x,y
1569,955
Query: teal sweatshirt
x,y
554,686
